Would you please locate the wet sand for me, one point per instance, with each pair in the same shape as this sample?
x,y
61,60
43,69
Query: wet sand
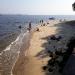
x,y
31,63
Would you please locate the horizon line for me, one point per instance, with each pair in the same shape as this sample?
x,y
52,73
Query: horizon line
x,y
34,14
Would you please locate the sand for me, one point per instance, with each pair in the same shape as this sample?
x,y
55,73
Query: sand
x,y
31,63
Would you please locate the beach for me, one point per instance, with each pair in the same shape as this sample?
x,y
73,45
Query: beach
x,y
33,61
29,55
37,37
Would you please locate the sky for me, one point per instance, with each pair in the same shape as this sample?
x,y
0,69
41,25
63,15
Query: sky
x,y
37,7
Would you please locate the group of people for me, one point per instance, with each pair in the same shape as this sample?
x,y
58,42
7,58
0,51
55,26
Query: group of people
x,y
30,26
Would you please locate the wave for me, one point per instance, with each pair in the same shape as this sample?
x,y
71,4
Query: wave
x,y
17,48
18,40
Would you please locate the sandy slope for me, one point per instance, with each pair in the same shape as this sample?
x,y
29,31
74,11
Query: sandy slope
x,y
30,64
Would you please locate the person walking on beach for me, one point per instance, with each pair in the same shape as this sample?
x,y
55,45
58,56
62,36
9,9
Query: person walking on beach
x,y
41,21
30,26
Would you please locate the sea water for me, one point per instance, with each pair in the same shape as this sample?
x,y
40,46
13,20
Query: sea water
x,y
9,26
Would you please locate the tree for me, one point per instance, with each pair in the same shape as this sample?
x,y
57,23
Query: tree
x,y
73,6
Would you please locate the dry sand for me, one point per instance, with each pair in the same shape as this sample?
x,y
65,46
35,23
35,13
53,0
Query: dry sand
x,y
30,64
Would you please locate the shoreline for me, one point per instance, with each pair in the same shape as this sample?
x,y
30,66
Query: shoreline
x,y
31,54
35,48
38,48
9,57
23,31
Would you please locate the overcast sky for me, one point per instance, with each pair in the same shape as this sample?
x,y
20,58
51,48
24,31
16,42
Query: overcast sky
x,y
37,7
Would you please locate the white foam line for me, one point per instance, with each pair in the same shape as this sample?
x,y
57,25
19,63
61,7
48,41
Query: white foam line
x,y
17,39
9,47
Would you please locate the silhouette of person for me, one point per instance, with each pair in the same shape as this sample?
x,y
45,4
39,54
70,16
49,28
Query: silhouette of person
x,y
30,26
42,21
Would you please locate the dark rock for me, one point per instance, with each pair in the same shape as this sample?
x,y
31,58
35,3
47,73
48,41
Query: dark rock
x,y
44,24
50,70
44,67
53,37
51,62
47,23
58,38
51,54
37,29
60,70
58,52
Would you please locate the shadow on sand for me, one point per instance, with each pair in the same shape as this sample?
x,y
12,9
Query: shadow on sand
x,y
59,48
